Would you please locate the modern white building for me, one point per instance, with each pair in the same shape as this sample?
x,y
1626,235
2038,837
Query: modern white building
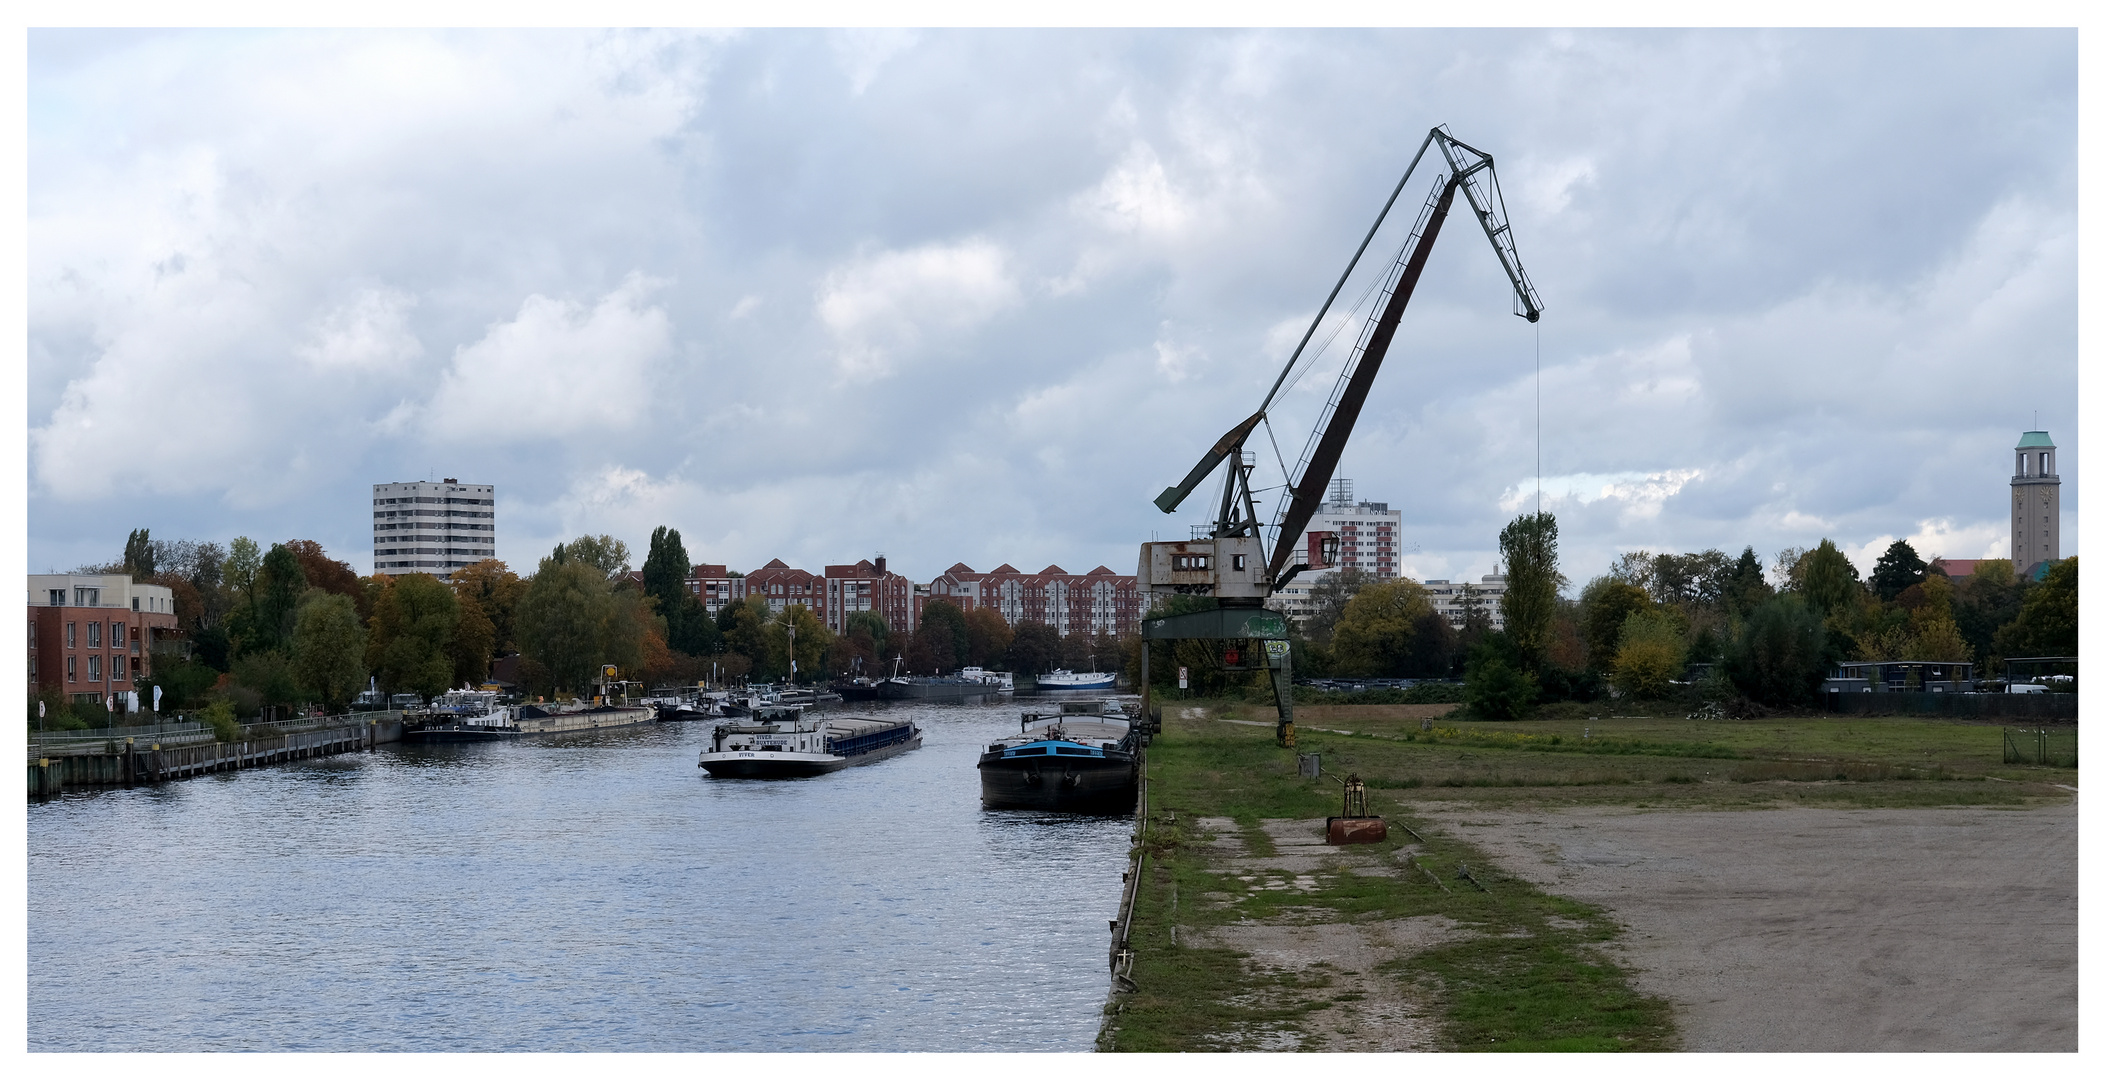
x,y
1449,598
425,527
1368,540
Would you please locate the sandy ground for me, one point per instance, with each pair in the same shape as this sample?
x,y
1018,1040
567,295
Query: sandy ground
x,y
1384,1015
1946,929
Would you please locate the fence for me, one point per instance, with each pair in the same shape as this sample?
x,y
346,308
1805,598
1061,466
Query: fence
x,y
2026,706
111,740
2041,746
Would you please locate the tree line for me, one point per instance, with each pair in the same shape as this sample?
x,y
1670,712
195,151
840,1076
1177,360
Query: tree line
x,y
288,625
1747,632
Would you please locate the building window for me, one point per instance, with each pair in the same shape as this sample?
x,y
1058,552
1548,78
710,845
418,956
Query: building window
x,y
86,597
95,635
116,635
116,669
70,670
58,598
94,669
69,635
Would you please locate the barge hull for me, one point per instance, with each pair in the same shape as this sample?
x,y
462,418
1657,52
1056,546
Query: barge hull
x,y
1098,786
765,765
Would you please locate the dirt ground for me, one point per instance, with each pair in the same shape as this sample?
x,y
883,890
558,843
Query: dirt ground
x,y
1801,929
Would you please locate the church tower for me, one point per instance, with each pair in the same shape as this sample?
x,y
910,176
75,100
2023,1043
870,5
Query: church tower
x,y
2036,504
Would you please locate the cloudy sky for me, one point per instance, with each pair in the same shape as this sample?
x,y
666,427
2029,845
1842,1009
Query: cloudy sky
x,y
979,296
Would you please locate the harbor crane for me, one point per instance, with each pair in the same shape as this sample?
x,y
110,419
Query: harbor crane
x,y
1231,563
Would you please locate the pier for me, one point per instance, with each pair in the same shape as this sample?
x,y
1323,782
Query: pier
x,y
174,752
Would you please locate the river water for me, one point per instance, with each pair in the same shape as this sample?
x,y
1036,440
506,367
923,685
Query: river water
x,y
581,892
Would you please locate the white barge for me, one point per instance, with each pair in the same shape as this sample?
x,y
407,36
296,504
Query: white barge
x,y
778,741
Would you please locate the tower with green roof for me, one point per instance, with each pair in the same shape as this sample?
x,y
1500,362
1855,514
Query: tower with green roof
x,y
2036,504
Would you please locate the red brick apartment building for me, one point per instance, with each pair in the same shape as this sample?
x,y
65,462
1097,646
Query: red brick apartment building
x,y
91,635
1071,603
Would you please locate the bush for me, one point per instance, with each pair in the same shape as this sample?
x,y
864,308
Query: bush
x,y
1495,688
219,716
1568,684
1649,654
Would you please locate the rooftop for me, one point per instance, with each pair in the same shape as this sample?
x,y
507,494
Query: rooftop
x,y
2035,438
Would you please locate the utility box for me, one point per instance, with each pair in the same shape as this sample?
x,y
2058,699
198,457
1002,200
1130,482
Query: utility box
x,y
1230,567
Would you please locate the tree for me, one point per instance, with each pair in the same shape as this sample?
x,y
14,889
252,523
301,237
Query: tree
x,y
1781,654
811,644
944,642
1649,654
740,624
238,573
473,641
268,675
329,648
987,637
1529,547
139,555
1829,581
1376,633
1985,602
561,618
603,553
1743,587
495,590
410,646
1034,648
2047,623
688,627
323,572
1896,570
1328,598
1605,604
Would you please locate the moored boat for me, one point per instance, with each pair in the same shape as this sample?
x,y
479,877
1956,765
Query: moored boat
x,y
463,716
1063,679
1077,756
780,741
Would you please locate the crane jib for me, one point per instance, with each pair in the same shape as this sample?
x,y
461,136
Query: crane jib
x,y
1308,492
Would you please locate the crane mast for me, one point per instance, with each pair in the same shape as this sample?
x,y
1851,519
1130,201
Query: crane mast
x,y
1230,562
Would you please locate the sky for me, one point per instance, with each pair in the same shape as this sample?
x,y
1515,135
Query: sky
x,y
978,296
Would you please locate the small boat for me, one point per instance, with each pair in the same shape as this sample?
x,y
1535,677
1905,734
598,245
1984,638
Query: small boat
x,y
1063,679
1078,756
690,705
779,741
865,688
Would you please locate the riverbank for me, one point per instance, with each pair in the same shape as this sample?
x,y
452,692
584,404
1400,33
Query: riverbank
x,y
1250,933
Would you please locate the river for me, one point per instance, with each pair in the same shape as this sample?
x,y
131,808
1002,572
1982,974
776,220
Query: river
x,y
582,892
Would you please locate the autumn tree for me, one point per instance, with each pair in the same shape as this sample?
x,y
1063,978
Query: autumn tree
x,y
323,572
689,628
1375,633
1830,583
807,647
495,590
410,646
1650,652
987,637
1328,598
1605,604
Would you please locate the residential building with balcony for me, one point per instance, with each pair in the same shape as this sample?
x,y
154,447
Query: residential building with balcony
x,y
92,635
433,528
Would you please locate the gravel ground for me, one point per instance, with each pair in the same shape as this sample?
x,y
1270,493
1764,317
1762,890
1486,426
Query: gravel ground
x,y
1801,929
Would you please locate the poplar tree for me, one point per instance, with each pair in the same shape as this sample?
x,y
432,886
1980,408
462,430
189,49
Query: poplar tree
x,y
1529,546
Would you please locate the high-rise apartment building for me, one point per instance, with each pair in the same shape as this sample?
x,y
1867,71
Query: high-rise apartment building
x,y
422,527
2036,504
1369,537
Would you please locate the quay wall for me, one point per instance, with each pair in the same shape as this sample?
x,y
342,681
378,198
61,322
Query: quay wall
x,y
585,721
112,764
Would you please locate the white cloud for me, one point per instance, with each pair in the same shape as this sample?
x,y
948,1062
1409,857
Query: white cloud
x,y
1641,495
882,307
558,368
367,334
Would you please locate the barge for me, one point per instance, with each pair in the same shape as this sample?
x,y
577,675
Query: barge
x,y
780,742
1076,756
